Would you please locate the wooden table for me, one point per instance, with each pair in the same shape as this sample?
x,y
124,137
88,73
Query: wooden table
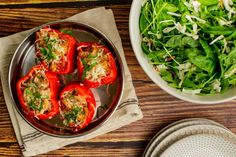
x,y
159,108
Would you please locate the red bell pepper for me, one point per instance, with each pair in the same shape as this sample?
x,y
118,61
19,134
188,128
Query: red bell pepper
x,y
96,64
77,106
37,92
56,50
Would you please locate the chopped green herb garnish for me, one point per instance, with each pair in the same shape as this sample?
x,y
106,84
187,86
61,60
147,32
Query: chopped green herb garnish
x,y
48,52
72,115
90,56
44,51
46,39
32,105
34,97
87,67
66,31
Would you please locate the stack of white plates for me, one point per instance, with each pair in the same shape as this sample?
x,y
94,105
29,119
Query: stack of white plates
x,y
195,137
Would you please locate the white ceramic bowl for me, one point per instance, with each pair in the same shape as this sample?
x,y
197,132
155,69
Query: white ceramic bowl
x,y
135,38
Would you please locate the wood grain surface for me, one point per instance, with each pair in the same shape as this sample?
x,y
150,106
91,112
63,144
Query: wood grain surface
x,y
159,108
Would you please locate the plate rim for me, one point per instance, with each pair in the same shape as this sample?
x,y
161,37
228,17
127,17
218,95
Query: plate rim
x,y
199,129
172,127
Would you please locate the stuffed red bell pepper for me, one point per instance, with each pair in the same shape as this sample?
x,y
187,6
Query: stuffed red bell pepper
x,y
56,50
96,64
37,92
77,106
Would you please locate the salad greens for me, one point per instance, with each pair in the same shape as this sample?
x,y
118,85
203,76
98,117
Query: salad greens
x,y
191,43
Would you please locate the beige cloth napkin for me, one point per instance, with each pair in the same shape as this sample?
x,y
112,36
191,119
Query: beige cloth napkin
x,y
33,142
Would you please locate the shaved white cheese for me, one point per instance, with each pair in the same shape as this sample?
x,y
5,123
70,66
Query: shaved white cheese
x,y
216,39
195,31
223,22
145,39
168,29
187,4
233,71
46,106
194,36
196,6
149,42
180,28
190,17
227,5
226,48
174,14
182,69
156,34
159,67
96,73
216,85
192,92
193,4
165,21
58,47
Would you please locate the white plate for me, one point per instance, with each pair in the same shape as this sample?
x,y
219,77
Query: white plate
x,y
201,145
177,135
173,127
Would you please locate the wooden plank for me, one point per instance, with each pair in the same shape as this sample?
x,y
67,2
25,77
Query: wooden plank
x,y
159,108
60,3
7,2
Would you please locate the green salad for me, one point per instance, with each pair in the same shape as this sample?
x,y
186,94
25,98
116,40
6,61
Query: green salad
x,y
191,43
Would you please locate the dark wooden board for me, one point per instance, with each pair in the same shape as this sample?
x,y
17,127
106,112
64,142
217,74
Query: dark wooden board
x,y
159,108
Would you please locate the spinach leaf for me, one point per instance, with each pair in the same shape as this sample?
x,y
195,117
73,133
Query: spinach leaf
x,y
174,42
203,62
180,41
188,41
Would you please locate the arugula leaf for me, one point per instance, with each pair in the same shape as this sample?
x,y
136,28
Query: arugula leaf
x,y
166,75
208,2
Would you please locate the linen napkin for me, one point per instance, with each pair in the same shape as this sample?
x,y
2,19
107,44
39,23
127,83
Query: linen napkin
x,y
33,142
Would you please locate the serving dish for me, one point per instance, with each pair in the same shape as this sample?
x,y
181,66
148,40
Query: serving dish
x,y
135,38
107,96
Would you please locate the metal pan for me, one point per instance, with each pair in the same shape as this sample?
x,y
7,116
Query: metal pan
x,y
107,97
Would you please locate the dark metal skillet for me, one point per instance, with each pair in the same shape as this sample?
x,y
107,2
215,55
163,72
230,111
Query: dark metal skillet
x,y
107,97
